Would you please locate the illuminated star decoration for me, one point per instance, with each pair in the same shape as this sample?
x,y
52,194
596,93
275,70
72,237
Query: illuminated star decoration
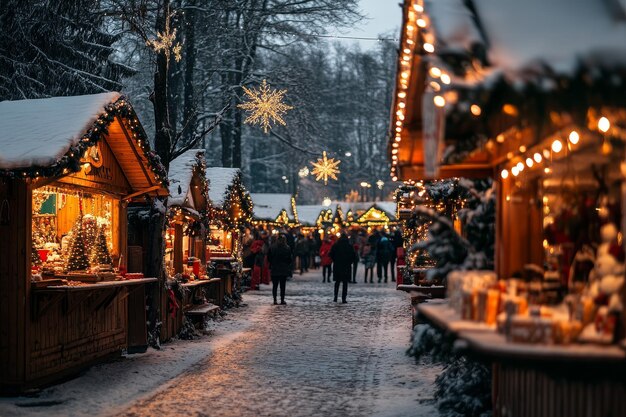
x,y
325,168
264,106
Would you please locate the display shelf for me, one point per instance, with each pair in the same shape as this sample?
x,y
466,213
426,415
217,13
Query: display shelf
x,y
444,317
495,345
200,282
96,285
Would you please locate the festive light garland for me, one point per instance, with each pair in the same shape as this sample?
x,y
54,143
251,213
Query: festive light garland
x,y
325,168
71,161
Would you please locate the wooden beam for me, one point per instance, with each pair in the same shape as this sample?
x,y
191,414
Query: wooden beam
x,y
132,145
140,192
416,172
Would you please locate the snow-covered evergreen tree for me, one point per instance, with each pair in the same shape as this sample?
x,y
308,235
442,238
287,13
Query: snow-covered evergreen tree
x,y
56,48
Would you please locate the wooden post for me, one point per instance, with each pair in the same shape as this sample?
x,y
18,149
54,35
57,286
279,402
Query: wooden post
x,y
178,247
15,261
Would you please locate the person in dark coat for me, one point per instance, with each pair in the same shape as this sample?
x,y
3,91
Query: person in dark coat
x,y
343,256
384,250
397,242
302,252
279,258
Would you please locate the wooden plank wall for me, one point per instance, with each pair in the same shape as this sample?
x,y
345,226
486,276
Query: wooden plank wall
x,y
74,332
533,391
15,241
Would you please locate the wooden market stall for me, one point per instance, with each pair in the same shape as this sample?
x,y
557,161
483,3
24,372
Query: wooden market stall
x,y
230,211
549,120
273,210
68,168
191,291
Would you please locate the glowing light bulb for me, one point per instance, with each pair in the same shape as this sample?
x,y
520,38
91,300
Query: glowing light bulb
x,y
520,166
515,171
429,47
435,72
530,162
604,125
557,146
421,23
439,101
574,137
537,157
475,109
445,78
504,174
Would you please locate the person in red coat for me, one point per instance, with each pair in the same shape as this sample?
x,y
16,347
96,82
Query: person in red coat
x,y
326,260
257,249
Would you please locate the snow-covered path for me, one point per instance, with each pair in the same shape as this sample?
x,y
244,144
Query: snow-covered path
x,y
312,357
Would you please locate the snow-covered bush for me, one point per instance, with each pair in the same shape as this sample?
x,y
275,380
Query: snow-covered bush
x,y
464,389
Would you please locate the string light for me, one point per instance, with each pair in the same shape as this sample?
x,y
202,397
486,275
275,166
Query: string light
x,y
515,171
557,146
529,162
428,47
604,125
504,174
435,72
475,109
574,137
439,101
520,166
445,78
537,157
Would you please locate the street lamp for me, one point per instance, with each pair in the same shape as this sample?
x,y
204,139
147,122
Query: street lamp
x,y
380,184
327,202
348,154
365,185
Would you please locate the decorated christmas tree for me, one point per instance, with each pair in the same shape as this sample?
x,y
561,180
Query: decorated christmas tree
x,y
100,251
77,260
35,260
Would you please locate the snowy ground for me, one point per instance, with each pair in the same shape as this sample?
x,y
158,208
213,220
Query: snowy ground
x,y
311,357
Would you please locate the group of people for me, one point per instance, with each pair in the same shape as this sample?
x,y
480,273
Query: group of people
x,y
274,256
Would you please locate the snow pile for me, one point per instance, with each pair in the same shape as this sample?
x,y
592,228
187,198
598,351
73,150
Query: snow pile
x,y
557,33
269,206
39,132
219,180
180,175
454,25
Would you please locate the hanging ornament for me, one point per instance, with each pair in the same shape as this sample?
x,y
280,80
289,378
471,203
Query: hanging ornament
x,y
264,106
325,168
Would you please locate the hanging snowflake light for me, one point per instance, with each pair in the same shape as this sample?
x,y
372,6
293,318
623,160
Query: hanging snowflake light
x,y
325,168
166,42
265,106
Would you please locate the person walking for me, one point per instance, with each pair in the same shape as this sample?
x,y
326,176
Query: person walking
x,y
356,244
279,259
383,256
342,254
326,260
368,257
396,242
302,252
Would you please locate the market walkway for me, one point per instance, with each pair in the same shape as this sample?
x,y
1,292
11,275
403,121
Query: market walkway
x,y
312,357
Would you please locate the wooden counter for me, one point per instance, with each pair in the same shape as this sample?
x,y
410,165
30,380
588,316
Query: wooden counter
x,y
200,282
441,315
95,285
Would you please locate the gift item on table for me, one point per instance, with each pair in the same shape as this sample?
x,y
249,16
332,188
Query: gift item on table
x,y
461,281
566,331
530,329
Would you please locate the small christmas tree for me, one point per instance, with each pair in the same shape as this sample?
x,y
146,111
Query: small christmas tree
x,y
100,251
35,260
77,260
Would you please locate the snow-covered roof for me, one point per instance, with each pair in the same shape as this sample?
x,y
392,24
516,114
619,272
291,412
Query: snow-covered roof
x,y
308,215
538,35
39,132
219,180
269,206
389,207
180,175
